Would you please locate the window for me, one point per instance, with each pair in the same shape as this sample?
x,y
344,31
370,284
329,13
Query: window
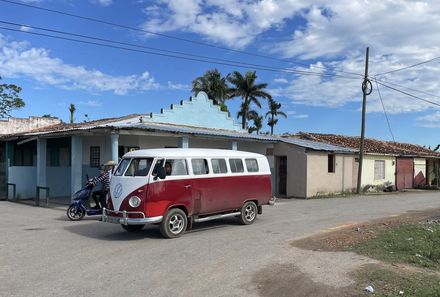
x,y
122,166
139,167
331,163
219,166
236,165
176,167
95,156
379,169
200,166
251,165
159,163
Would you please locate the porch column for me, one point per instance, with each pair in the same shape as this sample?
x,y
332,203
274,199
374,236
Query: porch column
x,y
233,145
183,142
41,162
115,147
76,164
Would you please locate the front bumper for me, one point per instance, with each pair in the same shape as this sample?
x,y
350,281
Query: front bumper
x,y
126,220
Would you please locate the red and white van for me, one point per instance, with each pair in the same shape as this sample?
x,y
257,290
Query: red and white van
x,y
176,187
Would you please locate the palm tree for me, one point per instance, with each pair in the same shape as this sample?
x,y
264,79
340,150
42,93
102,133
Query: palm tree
x,y
258,124
274,112
72,109
213,84
250,92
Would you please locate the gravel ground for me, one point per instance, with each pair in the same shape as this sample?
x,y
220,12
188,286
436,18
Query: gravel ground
x,y
43,254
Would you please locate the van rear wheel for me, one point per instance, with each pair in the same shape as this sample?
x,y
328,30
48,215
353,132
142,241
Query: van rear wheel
x,y
174,223
248,213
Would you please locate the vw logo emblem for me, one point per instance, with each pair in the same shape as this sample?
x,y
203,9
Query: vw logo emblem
x,y
117,190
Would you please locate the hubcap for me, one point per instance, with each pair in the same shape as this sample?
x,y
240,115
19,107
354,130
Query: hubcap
x,y
176,224
74,212
249,213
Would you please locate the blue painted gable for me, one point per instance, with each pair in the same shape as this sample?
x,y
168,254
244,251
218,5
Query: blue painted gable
x,y
199,111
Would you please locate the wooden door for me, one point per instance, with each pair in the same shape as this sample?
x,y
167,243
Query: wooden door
x,y
405,173
282,175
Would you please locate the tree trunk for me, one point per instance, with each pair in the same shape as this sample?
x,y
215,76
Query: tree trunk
x,y
271,126
244,116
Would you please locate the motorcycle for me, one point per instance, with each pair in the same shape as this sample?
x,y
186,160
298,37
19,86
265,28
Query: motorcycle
x,y
81,205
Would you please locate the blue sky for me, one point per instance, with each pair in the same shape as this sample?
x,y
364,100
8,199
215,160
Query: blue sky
x,y
327,37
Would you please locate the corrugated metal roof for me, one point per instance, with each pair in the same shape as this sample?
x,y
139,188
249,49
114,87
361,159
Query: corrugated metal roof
x,y
317,146
132,123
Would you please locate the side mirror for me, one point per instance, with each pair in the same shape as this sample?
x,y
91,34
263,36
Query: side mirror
x,y
161,172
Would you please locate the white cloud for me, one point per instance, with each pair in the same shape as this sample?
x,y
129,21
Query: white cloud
x,y
235,23
103,2
301,116
25,28
17,59
90,103
430,120
280,80
178,86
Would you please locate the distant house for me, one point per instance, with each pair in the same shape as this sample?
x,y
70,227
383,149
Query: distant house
x,y
61,155
401,164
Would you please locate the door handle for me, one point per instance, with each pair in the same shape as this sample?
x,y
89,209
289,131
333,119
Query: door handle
x,y
187,186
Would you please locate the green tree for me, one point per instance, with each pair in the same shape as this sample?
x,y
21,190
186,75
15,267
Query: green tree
x,y
72,110
274,111
250,92
436,148
9,99
213,84
258,124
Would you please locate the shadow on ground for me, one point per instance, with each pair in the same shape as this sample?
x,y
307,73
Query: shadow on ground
x,y
112,232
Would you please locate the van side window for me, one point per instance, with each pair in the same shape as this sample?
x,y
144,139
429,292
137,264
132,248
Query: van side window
x,y
139,167
200,166
236,165
251,165
159,163
219,166
176,167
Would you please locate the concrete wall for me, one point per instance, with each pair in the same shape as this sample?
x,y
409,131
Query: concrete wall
x,y
431,174
58,181
296,169
322,182
25,177
15,125
368,170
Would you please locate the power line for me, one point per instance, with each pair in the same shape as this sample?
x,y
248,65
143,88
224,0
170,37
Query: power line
x,y
164,35
206,60
385,112
408,94
164,50
407,88
406,67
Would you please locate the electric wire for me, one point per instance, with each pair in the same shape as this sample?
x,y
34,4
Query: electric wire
x,y
200,43
207,60
385,112
162,50
407,88
407,67
408,94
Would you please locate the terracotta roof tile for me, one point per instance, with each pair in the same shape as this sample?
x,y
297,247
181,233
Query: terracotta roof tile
x,y
371,145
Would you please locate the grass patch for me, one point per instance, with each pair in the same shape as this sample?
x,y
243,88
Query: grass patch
x,y
387,283
414,244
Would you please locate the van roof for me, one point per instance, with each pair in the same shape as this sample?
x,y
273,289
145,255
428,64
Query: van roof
x,y
190,152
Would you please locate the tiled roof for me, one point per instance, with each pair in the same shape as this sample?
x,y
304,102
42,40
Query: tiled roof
x,y
372,146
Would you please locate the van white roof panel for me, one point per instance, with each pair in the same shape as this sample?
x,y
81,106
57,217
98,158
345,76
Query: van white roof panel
x,y
190,152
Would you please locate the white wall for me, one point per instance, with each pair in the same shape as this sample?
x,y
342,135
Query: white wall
x,y
419,166
368,170
25,177
322,182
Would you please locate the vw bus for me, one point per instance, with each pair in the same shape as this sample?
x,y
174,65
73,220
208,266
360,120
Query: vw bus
x,y
177,187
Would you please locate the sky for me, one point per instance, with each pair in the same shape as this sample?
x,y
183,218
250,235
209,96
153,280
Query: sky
x,y
311,54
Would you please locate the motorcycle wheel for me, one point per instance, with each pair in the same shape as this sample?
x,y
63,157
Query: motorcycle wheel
x,y
75,213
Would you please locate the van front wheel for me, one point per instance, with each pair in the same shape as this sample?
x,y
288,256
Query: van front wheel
x,y
248,213
174,223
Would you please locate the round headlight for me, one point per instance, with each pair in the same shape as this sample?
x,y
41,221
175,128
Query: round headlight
x,y
134,201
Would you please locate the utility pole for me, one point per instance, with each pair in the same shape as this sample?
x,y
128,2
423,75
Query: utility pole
x,y
366,90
